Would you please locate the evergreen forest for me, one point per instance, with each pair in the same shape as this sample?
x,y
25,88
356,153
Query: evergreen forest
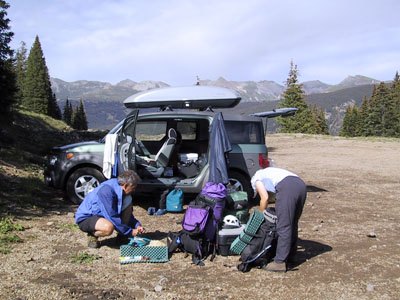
x,y
378,115
25,80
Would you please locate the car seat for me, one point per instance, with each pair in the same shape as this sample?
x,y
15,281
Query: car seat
x,y
163,155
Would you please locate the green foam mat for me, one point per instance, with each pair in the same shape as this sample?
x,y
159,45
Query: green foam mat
x,y
238,245
130,254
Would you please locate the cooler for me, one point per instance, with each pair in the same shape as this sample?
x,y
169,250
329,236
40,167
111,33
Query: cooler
x,y
225,238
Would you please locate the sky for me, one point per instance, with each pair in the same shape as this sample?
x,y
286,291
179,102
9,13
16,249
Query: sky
x,y
176,41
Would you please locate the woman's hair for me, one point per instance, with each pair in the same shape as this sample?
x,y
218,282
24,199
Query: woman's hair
x,y
130,177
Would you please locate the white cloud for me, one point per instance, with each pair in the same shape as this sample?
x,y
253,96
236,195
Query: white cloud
x,y
174,41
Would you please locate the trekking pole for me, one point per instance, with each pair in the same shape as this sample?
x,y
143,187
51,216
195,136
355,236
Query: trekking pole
x,y
258,255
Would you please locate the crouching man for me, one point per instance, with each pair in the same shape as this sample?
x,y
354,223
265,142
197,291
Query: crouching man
x,y
109,207
290,192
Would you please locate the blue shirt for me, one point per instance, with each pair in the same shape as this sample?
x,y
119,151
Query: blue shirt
x,y
106,201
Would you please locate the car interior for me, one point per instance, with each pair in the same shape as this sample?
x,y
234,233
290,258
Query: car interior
x,y
172,148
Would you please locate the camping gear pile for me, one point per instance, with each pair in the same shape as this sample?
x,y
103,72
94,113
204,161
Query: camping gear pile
x,y
212,223
209,229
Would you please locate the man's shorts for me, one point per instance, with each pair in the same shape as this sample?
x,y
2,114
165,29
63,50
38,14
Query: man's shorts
x,y
88,225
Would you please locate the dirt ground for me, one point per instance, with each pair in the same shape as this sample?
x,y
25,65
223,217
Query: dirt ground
x,y
349,244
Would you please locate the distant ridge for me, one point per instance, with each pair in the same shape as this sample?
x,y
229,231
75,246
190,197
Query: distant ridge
x,y
104,108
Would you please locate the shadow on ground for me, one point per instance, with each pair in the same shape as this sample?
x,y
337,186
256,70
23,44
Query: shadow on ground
x,y
307,249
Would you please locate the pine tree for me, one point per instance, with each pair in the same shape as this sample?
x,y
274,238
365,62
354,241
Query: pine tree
x,y
363,129
372,121
53,108
7,75
294,96
84,123
37,89
79,120
395,95
350,125
345,130
357,120
319,117
20,66
67,114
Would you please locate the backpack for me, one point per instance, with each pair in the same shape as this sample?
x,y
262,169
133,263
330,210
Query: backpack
x,y
175,201
196,218
199,229
262,247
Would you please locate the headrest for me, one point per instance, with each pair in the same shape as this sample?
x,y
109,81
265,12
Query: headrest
x,y
172,133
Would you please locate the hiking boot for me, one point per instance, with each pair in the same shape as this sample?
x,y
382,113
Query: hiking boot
x,y
93,241
276,267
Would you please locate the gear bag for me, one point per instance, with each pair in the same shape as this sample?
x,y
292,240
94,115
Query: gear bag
x,y
262,247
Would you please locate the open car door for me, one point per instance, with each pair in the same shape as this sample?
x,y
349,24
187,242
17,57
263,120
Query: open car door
x,y
277,112
126,143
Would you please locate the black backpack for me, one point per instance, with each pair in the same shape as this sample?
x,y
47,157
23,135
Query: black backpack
x,y
261,249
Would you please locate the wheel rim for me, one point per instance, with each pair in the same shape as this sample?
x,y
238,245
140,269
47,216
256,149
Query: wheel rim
x,y
84,185
234,185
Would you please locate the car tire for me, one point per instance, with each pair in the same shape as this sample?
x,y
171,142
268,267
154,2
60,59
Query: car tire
x,y
81,182
240,182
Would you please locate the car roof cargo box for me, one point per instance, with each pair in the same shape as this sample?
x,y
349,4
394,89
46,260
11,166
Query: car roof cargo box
x,y
189,97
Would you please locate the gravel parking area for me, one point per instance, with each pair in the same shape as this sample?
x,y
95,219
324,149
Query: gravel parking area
x,y
349,244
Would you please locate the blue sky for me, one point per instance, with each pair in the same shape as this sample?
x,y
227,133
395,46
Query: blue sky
x,y
175,41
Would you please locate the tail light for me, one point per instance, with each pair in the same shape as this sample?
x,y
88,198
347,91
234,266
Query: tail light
x,y
264,161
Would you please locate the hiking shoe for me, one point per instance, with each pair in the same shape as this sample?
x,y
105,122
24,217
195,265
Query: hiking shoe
x,y
160,212
151,211
93,241
276,267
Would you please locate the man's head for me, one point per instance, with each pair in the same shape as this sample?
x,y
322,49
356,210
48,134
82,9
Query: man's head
x,y
128,180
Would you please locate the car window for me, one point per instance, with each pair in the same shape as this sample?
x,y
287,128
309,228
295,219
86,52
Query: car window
x,y
244,132
187,130
151,130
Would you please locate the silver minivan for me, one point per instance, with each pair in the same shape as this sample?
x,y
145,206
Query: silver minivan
x,y
169,148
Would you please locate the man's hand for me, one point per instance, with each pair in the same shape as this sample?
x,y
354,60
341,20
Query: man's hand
x,y
138,230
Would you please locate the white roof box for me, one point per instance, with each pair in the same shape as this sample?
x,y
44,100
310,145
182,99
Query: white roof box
x,y
191,97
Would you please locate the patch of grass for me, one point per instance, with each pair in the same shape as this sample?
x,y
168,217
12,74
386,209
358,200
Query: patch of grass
x,y
83,258
7,226
47,121
68,226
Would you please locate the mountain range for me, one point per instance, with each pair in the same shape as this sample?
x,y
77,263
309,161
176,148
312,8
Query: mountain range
x,y
104,107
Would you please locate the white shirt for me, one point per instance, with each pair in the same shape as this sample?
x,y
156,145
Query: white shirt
x,y
270,177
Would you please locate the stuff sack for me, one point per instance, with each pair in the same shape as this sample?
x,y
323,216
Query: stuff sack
x,y
237,204
214,190
262,247
175,201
